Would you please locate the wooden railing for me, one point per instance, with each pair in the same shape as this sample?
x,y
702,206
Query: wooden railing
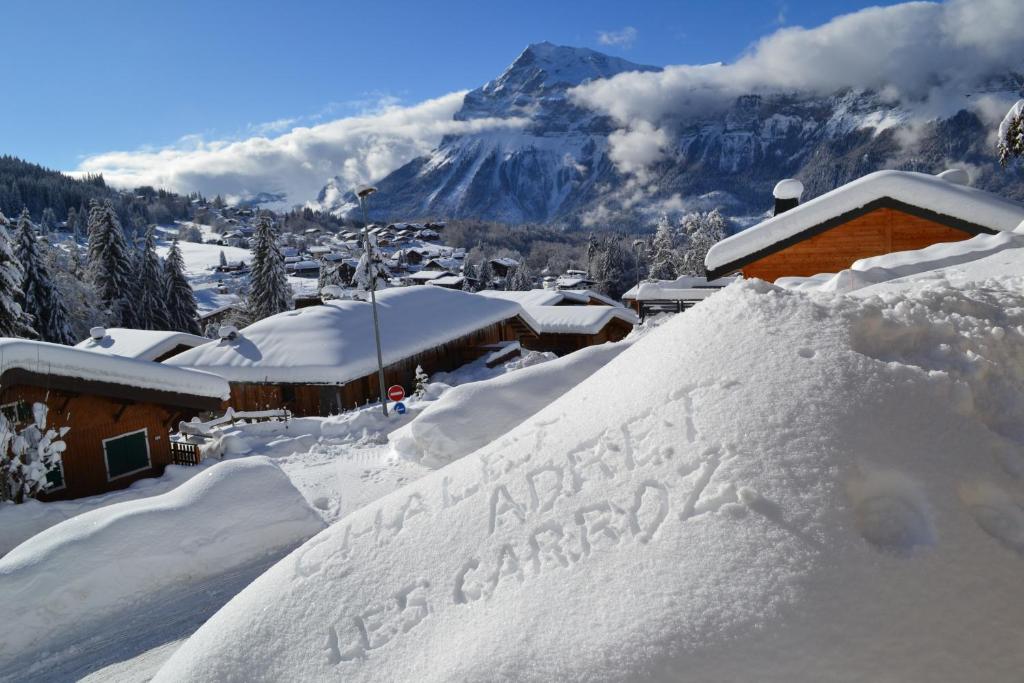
x,y
184,453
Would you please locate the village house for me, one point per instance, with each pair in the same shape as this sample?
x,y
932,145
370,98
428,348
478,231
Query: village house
x,y
564,329
119,411
882,212
671,296
552,297
320,360
148,345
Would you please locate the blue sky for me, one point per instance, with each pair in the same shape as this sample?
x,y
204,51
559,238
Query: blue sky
x,y
83,78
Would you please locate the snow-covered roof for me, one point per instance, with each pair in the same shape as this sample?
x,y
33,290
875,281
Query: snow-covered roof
x,y
68,361
532,297
685,288
447,281
549,297
427,275
334,343
140,344
921,190
577,319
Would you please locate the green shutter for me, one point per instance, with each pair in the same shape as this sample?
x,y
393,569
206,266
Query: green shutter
x,y
126,454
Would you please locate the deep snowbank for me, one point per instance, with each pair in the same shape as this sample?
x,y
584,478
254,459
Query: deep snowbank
x,y
773,486
107,559
470,416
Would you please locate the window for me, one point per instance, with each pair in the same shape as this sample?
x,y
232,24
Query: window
x,y
17,412
127,454
55,478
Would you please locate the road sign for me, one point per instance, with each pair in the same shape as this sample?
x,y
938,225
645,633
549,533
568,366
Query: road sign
x,y
400,408
396,392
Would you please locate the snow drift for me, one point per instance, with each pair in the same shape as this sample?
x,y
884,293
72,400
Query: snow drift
x,y
774,486
111,558
470,416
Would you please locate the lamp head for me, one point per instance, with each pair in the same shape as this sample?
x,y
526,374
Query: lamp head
x,y
365,191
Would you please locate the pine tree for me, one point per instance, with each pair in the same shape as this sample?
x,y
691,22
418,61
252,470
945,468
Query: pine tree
x,y
14,322
223,259
73,223
39,297
269,291
1011,134
663,252
182,314
110,266
469,274
486,275
152,295
702,231
422,380
522,279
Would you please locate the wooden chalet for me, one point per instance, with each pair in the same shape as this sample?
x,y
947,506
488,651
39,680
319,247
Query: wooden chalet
x,y
652,297
882,212
322,359
120,411
564,329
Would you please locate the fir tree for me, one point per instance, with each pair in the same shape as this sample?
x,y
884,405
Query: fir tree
x,y
14,322
486,275
422,380
181,301
269,292
522,278
703,231
151,308
110,266
1011,140
73,223
223,259
469,274
39,297
663,252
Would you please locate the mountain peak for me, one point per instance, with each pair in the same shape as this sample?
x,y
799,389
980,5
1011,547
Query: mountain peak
x,y
563,65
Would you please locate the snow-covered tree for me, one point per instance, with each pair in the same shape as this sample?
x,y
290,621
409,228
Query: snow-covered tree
x,y
702,231
39,296
664,252
470,278
14,322
422,380
28,455
269,291
182,313
151,312
110,266
73,222
223,259
521,279
365,272
77,295
1011,134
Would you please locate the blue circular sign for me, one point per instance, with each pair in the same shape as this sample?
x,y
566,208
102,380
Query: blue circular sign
x,y
400,408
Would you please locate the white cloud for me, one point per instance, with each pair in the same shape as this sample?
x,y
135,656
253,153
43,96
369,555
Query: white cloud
x,y
359,148
624,37
926,55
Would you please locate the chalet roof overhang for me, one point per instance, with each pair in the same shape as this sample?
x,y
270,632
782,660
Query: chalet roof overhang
x,y
121,392
881,203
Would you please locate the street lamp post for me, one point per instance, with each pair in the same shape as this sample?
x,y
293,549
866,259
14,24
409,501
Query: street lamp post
x,y
371,268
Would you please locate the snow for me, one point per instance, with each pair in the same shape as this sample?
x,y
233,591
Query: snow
x,y
1013,113
447,281
106,560
842,505
472,415
577,319
140,344
334,343
67,361
917,189
901,264
790,188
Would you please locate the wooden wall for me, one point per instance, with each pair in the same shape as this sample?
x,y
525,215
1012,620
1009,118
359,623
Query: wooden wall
x,y
878,232
563,344
314,399
93,419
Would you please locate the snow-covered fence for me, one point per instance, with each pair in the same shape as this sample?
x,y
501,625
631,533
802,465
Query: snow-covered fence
x,y
190,450
231,416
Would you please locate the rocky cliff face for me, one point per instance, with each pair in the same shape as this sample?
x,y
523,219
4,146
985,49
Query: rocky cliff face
x,y
556,168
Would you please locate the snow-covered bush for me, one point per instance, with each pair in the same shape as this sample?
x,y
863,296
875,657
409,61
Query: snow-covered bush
x,y
28,455
422,380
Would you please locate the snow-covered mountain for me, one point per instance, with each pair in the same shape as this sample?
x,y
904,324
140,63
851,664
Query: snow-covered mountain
x,y
557,167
